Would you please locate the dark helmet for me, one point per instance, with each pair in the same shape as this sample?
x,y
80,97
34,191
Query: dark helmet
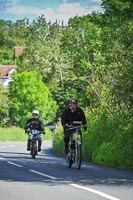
x,y
73,100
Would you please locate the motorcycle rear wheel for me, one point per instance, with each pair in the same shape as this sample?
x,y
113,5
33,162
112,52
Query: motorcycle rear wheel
x,y
33,150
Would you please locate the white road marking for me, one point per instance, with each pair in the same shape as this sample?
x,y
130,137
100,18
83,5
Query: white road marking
x,y
96,192
36,172
15,164
1,158
7,146
12,145
2,147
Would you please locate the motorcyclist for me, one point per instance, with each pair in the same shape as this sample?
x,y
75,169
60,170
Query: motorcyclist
x,y
34,123
69,115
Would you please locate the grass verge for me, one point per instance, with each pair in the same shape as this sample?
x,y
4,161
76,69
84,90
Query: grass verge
x,y
18,134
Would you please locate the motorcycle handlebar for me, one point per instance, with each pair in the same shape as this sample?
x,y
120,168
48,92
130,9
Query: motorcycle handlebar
x,y
39,132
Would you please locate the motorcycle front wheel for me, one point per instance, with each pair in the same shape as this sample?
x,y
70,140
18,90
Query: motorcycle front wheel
x,y
33,149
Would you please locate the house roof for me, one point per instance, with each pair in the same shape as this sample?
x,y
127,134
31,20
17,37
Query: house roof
x,y
5,69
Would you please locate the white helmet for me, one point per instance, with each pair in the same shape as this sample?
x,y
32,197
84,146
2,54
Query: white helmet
x,y
35,112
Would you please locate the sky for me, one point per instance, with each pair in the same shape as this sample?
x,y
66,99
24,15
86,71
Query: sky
x,y
60,10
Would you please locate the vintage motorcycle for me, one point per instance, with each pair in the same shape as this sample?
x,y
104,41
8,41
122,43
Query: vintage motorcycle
x,y
33,136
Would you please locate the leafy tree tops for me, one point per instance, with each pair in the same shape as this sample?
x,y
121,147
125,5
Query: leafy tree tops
x,y
27,92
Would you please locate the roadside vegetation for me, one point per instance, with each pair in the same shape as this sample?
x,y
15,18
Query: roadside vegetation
x,y
107,142
90,59
18,134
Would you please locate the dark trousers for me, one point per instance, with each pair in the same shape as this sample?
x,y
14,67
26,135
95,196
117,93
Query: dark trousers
x,y
67,135
29,141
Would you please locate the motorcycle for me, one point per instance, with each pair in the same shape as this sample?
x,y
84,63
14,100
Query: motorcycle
x,y
33,136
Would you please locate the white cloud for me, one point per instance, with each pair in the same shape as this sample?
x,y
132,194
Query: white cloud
x,y
70,10
49,14
95,1
62,13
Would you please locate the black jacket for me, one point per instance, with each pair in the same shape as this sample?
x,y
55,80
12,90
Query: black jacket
x,y
34,124
68,116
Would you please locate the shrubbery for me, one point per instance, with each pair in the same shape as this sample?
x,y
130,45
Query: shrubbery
x,y
108,141
58,142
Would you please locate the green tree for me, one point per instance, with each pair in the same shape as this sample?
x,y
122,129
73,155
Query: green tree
x,y
27,92
51,63
122,9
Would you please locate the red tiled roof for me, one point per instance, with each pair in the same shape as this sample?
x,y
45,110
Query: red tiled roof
x,y
5,69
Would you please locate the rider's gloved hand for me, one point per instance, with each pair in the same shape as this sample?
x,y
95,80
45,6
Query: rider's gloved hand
x,y
66,126
27,131
42,132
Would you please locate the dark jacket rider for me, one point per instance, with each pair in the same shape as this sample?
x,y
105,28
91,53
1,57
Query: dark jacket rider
x,y
69,115
36,124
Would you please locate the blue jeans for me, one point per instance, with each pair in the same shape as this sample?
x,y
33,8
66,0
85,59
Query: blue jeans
x,y
38,137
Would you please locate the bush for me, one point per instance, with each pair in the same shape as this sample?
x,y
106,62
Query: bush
x,y
108,141
58,140
112,141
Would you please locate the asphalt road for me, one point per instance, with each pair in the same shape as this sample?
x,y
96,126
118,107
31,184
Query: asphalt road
x,y
48,178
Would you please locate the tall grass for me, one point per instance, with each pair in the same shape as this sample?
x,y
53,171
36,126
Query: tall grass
x,y
58,141
18,134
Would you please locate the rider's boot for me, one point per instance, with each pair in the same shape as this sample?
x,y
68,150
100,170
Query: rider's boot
x,y
39,145
28,145
66,142
66,149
